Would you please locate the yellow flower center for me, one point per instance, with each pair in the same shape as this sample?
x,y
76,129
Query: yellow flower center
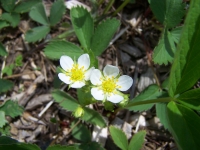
x,y
77,73
109,85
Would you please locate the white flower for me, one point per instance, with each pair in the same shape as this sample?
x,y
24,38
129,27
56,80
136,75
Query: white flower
x,y
75,73
107,86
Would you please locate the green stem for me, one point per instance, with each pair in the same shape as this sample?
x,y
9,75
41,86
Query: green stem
x,y
108,6
100,2
121,7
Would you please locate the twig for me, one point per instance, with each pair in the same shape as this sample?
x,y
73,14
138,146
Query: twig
x,y
18,75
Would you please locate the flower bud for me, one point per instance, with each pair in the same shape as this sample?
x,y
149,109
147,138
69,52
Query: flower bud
x,y
78,112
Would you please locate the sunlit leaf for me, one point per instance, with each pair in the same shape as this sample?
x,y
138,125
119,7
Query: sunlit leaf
x,y
186,69
103,35
83,25
137,141
2,118
119,137
56,49
12,18
25,5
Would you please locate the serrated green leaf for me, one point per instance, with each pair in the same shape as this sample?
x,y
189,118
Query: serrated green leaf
x,y
5,85
186,69
174,14
103,35
56,49
151,92
168,12
37,33
4,140
190,99
185,125
164,51
8,5
12,18
20,146
83,25
5,131
38,14
2,118
3,24
8,70
60,147
119,137
161,112
11,109
65,100
81,133
176,34
137,141
3,51
93,117
25,5
91,146
57,10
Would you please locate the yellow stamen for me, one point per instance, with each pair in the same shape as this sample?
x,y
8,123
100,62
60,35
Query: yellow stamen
x,y
109,85
77,73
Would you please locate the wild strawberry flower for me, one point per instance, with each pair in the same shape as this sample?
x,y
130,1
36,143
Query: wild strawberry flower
x,y
75,73
107,86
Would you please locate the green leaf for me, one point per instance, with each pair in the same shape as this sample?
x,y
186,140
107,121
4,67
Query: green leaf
x,y
91,146
8,5
161,112
2,118
186,69
3,51
37,33
8,69
103,35
151,92
60,147
20,146
65,100
81,133
84,96
38,14
57,10
164,51
12,18
5,131
190,99
176,34
56,49
4,140
11,109
185,125
93,117
119,137
3,24
168,12
83,25
5,85
25,5
137,141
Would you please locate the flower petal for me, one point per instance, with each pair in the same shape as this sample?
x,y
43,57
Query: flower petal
x,y
64,78
114,98
88,73
110,70
95,77
97,94
84,61
77,84
125,82
66,63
